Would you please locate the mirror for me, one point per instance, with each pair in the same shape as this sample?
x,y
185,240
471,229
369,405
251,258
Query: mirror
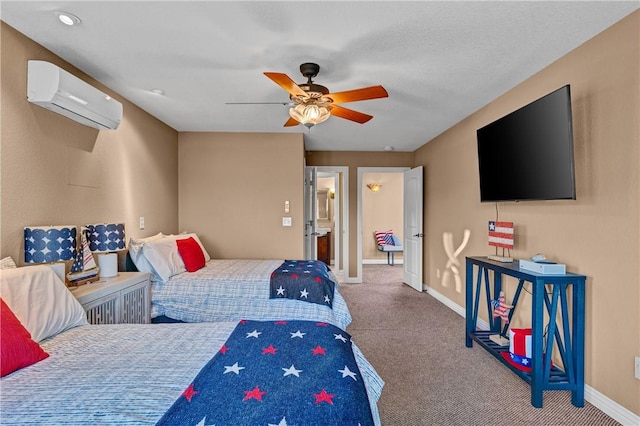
x,y
322,207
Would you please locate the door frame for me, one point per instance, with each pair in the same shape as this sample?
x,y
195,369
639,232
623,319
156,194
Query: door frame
x,y
341,214
361,172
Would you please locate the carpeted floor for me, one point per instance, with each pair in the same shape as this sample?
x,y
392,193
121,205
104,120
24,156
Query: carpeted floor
x,y
417,346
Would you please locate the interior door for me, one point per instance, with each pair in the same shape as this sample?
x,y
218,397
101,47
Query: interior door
x,y
310,214
413,236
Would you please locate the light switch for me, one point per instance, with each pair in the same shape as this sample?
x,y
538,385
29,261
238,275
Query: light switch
x,y
141,222
286,207
286,221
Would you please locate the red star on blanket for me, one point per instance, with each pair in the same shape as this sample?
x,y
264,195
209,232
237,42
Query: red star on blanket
x,y
318,350
189,392
255,393
269,350
224,349
323,396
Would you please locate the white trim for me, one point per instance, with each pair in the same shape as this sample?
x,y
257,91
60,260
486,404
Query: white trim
x,y
380,262
595,398
361,171
344,206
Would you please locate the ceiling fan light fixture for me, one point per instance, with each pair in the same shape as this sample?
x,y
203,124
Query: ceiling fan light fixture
x,y
310,114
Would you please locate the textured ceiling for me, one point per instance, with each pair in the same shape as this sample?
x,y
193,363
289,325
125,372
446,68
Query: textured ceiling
x,y
439,61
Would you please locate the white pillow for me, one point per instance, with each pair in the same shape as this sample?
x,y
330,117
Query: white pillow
x,y
135,245
164,257
137,257
7,263
40,300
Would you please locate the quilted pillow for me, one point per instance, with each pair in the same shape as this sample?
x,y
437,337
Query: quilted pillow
x,y
191,253
17,349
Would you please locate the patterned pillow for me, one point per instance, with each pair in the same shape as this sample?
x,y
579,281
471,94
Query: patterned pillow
x,y
383,236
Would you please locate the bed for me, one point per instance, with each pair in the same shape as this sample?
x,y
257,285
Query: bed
x,y
147,373
223,289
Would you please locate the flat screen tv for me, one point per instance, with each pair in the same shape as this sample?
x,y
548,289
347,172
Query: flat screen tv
x,y
528,154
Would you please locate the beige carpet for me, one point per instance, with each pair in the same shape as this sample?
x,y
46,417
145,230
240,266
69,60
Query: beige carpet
x,y
417,345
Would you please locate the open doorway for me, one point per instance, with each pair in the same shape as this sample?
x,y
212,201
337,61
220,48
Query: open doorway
x,y
379,208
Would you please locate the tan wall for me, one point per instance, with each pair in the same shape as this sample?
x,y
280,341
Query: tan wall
x,y
233,187
381,211
353,160
596,235
133,170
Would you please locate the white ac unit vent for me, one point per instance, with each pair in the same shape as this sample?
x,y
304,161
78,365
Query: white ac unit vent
x,y
53,88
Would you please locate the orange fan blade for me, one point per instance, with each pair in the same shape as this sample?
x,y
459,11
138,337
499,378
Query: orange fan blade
x,y
350,114
291,122
286,83
373,92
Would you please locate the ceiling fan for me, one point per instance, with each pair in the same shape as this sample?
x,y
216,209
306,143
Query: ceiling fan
x,y
312,103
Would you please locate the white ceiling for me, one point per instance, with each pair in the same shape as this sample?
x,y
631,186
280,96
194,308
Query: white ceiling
x,y
439,60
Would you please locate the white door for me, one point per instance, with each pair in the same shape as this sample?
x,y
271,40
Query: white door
x,y
310,214
413,235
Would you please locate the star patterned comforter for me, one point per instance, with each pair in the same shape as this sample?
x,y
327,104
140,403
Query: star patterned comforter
x,y
303,280
277,373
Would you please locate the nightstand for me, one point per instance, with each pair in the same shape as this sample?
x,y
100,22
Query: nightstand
x,y
125,298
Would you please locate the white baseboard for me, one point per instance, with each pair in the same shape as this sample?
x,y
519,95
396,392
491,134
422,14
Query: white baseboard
x,y
380,262
595,398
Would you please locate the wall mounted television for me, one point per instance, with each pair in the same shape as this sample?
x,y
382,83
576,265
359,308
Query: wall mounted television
x,y
527,155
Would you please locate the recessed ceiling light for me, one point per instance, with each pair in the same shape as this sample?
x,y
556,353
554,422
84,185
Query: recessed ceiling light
x,y
388,148
158,91
68,18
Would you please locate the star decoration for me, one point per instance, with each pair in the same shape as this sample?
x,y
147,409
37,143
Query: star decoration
x,y
326,299
189,392
281,322
321,324
280,291
297,334
254,333
256,393
224,349
340,337
346,372
318,279
304,293
318,350
291,370
283,422
269,350
323,396
235,368
307,272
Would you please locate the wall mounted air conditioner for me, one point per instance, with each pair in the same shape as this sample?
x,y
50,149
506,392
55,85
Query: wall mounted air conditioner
x,y
53,88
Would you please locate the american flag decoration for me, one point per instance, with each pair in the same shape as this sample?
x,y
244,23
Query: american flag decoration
x,y
501,309
501,234
84,259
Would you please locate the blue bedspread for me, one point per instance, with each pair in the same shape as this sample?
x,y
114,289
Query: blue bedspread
x,y
277,373
305,280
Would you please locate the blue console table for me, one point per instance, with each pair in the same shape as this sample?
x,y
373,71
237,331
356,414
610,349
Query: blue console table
x,y
550,294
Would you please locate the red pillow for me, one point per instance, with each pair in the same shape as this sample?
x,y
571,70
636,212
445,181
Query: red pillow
x,y
191,253
17,349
